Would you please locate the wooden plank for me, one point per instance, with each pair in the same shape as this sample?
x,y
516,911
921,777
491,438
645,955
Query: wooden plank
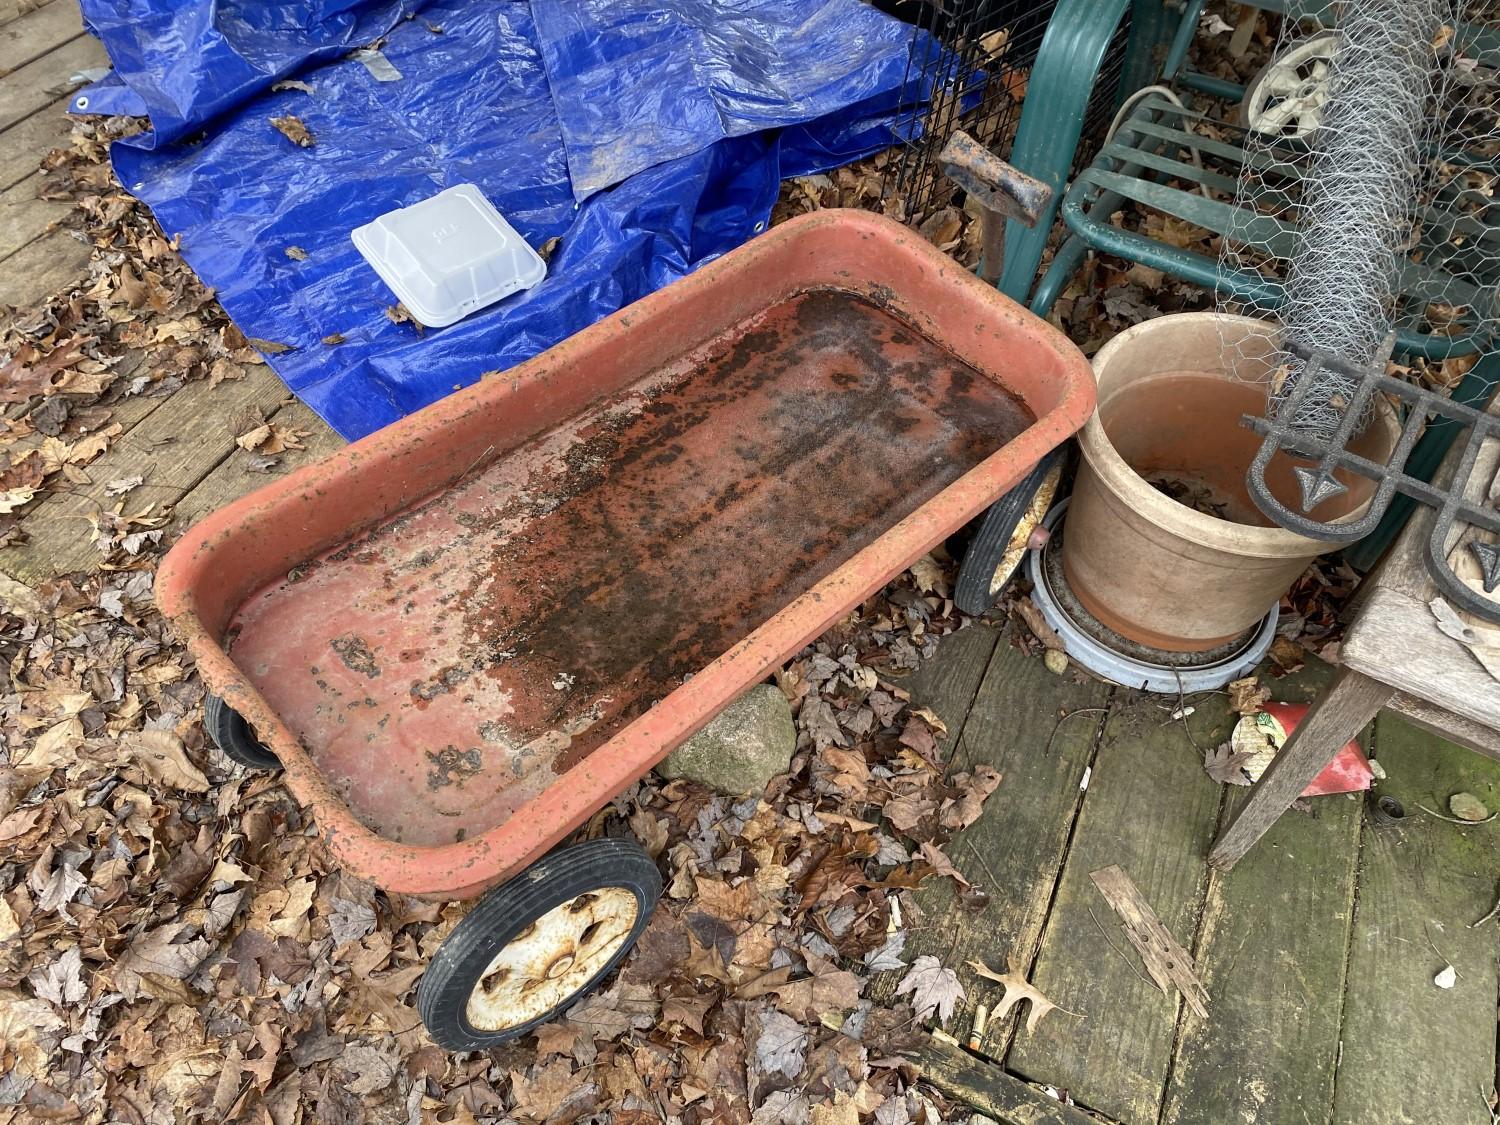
x,y
1447,725
1244,30
1413,1052
24,218
1168,963
1150,808
41,268
948,681
988,1089
174,448
232,479
17,9
42,81
22,41
1337,716
1271,951
1395,639
23,146
1014,850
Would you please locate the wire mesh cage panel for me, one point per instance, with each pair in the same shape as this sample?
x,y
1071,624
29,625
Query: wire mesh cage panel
x,y
969,67
1367,213
1368,192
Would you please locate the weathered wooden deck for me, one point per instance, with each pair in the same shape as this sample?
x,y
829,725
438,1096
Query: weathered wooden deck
x,y
183,444
1318,950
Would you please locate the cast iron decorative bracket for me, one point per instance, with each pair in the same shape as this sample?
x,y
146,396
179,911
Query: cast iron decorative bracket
x,y
1318,483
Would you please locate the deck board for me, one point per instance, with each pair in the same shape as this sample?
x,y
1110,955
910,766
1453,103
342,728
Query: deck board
x,y
11,10
43,81
25,40
231,479
24,217
1151,809
1271,954
41,268
1273,943
174,448
1413,1052
1013,852
23,146
948,686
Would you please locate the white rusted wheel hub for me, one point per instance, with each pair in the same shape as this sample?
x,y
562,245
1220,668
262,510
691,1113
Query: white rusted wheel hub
x,y
1288,97
552,959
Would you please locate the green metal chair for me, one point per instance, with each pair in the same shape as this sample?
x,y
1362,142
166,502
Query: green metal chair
x,y
1148,164
1061,85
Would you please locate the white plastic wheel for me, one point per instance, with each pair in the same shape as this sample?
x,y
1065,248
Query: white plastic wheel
x,y
1287,98
552,959
534,946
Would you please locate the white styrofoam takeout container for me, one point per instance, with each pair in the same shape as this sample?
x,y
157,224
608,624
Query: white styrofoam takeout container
x,y
449,255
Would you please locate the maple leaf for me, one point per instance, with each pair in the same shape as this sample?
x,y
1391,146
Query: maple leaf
x,y
1017,989
62,982
781,1046
888,955
552,1089
1226,765
933,988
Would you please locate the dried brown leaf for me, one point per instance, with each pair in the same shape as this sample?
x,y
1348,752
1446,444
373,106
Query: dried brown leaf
x,y
1017,989
293,129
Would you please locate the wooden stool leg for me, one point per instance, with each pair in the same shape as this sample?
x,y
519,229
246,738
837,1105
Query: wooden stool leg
x,y
1332,721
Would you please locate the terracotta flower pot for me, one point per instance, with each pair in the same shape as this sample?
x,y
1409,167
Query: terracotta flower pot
x,y
1159,569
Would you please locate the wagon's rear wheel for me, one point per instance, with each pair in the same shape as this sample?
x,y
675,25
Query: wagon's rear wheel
x,y
233,735
537,944
997,550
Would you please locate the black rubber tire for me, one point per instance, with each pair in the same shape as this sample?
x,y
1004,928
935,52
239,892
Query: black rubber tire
x,y
502,913
233,735
976,573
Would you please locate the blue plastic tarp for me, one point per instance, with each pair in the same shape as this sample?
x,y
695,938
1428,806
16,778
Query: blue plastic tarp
x,y
639,82
185,62
473,104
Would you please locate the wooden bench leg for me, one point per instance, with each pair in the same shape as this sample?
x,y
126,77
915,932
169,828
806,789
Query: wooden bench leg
x,y
1332,721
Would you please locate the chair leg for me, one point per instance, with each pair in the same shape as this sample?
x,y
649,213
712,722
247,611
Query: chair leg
x,y
1331,722
1064,265
1057,97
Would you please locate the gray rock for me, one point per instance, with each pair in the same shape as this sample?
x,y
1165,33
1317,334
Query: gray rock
x,y
743,747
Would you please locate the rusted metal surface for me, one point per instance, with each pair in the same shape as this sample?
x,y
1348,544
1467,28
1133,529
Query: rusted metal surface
x,y
1001,191
467,632
451,664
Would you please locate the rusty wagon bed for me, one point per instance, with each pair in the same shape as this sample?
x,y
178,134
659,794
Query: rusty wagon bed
x,y
466,633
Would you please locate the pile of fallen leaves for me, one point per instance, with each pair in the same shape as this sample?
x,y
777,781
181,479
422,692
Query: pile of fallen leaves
x,y
140,326
175,944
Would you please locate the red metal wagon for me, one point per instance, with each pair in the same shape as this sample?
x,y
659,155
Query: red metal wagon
x,y
465,634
